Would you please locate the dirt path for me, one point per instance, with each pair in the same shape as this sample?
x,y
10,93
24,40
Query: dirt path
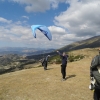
x,y
37,84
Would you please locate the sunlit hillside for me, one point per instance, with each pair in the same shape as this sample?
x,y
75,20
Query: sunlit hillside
x,y
37,84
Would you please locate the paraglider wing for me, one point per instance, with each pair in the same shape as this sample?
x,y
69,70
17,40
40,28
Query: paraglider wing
x,y
34,27
43,29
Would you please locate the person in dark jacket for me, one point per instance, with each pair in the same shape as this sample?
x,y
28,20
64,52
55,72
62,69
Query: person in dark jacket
x,y
95,76
64,58
45,62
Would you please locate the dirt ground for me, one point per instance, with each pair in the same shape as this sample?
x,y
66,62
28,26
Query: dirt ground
x,y
37,84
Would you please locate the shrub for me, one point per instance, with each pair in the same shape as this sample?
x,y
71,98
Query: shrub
x,y
75,57
58,61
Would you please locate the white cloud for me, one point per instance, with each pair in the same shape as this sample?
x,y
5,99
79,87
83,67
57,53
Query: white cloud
x,y
80,21
20,34
3,20
25,17
81,18
39,5
57,30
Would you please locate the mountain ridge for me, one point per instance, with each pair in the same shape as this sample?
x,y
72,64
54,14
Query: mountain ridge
x,y
88,43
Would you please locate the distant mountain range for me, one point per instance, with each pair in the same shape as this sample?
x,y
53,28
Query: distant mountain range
x,y
88,43
33,52
23,51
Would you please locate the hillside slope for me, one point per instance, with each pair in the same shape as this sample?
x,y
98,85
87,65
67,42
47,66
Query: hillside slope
x,y
88,43
37,84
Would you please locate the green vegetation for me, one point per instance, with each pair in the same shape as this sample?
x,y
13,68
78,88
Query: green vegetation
x,y
72,57
75,57
55,59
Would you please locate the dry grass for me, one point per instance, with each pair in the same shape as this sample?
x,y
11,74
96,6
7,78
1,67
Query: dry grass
x,y
37,84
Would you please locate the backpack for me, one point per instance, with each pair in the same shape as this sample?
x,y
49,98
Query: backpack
x,y
95,70
43,61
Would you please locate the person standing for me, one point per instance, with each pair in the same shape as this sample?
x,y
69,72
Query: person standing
x,y
45,62
95,76
64,58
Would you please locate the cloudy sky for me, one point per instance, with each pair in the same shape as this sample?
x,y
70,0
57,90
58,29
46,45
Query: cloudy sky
x,y
68,21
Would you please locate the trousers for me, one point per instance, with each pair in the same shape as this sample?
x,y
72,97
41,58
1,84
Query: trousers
x,y
63,71
96,94
45,65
